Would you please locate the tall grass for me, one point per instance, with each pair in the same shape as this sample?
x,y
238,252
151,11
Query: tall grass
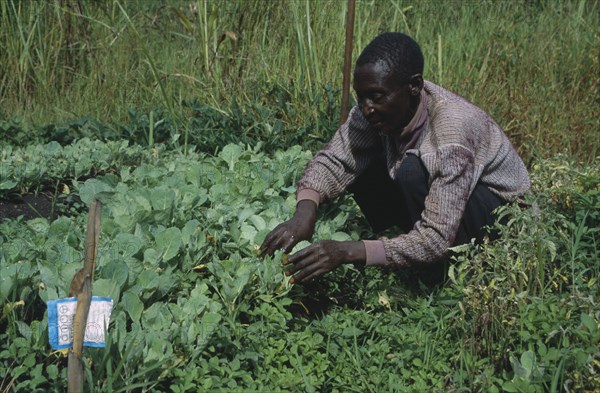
x,y
534,66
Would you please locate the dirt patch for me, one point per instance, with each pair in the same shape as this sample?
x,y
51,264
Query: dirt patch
x,y
28,206
32,206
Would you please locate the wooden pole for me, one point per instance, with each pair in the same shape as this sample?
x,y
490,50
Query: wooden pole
x,y
81,286
75,372
347,61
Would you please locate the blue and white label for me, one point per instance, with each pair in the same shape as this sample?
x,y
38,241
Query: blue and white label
x,y
60,322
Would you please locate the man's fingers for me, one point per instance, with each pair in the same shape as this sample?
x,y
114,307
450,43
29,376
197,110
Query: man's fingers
x,y
278,240
291,242
265,247
316,274
308,273
272,241
300,255
300,273
302,261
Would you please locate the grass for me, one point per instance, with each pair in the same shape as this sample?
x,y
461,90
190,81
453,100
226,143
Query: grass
x,y
533,66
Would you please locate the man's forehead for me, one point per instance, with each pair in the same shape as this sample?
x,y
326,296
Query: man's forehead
x,y
380,66
374,73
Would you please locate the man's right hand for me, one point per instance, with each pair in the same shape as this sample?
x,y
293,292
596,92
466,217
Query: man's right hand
x,y
289,233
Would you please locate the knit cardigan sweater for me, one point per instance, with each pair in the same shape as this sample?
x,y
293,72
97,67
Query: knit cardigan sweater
x,y
459,144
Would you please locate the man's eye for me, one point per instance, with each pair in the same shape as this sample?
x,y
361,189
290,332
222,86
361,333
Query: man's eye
x,y
378,98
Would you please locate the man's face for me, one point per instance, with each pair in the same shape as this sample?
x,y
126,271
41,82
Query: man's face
x,y
385,103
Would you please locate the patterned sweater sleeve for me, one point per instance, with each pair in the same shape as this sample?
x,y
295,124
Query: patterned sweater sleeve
x,y
345,157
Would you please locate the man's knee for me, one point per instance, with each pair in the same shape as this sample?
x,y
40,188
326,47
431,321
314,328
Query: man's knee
x,y
412,173
479,218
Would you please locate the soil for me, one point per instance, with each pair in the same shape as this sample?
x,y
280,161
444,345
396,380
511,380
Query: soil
x,y
32,206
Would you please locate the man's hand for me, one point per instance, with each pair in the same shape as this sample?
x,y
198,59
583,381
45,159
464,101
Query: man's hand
x,y
286,235
322,257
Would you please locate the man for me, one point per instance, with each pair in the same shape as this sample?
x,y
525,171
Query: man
x,y
414,155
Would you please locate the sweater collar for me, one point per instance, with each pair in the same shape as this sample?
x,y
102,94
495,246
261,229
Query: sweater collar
x,y
413,129
408,137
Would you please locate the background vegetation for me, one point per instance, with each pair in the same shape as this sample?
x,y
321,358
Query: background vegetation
x,y
272,69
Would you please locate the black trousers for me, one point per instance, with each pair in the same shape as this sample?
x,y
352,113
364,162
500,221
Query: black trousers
x,y
386,202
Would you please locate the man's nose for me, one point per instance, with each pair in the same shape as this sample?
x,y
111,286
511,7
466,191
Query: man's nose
x,y
367,108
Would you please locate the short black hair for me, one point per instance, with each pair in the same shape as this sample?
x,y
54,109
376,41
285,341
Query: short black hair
x,y
398,51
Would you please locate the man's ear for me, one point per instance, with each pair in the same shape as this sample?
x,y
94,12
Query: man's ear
x,y
416,84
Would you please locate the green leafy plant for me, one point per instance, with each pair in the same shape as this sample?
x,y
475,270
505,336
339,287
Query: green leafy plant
x,y
196,308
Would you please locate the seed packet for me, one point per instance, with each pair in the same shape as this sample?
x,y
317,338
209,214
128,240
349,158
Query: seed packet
x,y
60,322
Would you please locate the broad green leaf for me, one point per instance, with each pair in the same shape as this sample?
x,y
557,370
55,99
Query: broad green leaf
x,y
518,369
152,256
510,387
49,276
189,230
156,352
168,243
126,244
53,148
542,349
300,246
133,305
117,271
162,198
91,188
451,274
260,236
12,249
551,247
52,371
248,232
63,229
209,323
231,154
50,293
352,331
8,184
340,236
258,222
192,332
167,280
143,201
197,301
6,283
157,317
106,288
528,361
148,279
39,225
244,214
24,329
589,322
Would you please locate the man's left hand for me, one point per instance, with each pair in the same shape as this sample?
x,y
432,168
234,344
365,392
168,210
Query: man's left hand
x,y
322,257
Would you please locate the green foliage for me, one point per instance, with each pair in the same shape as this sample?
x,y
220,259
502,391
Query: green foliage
x,y
70,60
266,117
540,283
39,166
196,309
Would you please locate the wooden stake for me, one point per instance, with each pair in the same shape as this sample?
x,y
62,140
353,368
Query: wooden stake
x,y
81,287
76,370
347,61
